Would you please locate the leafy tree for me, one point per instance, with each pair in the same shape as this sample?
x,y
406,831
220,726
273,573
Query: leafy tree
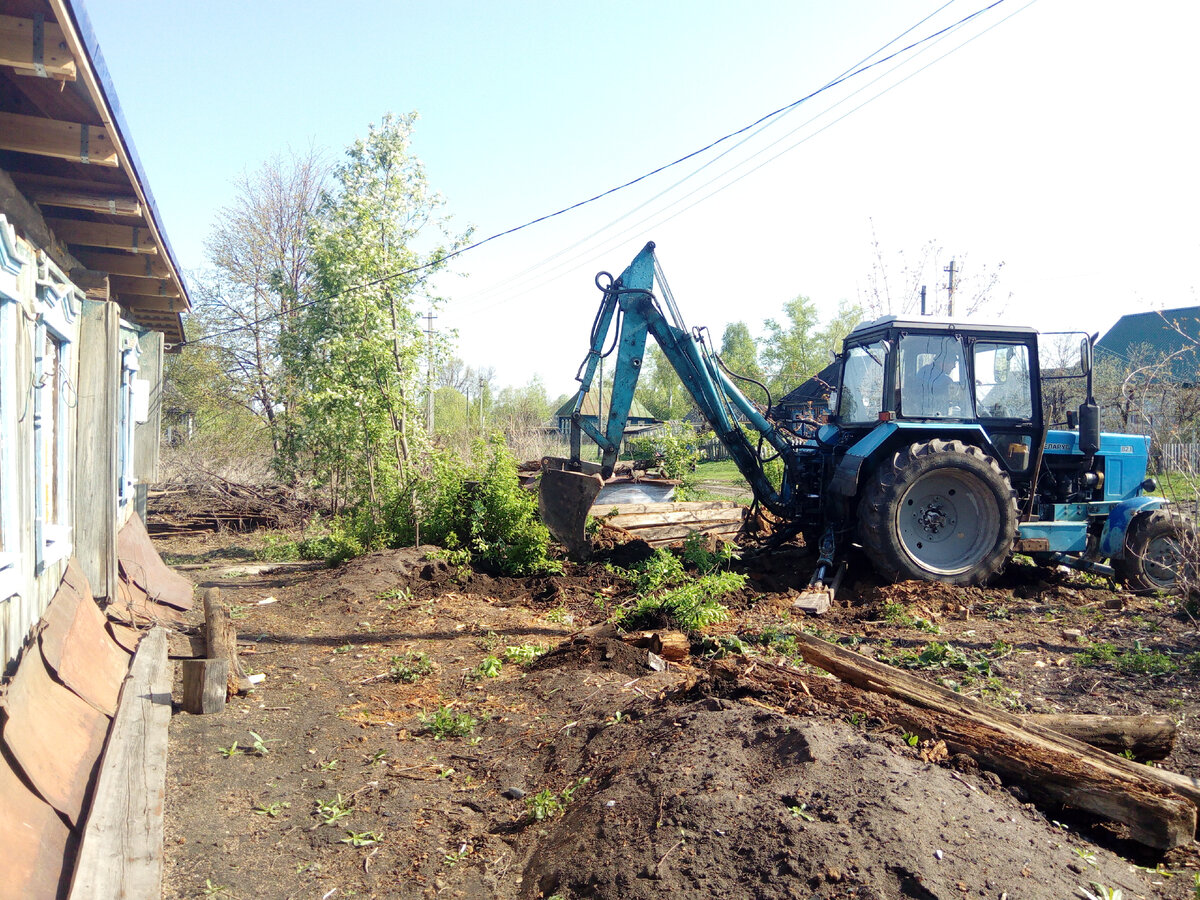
x,y
800,347
739,353
357,354
520,409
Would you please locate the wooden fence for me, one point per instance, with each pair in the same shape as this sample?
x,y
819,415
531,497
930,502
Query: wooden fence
x,y
1181,458
712,450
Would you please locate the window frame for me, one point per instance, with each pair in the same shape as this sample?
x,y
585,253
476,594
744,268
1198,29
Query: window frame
x,y
57,310
13,258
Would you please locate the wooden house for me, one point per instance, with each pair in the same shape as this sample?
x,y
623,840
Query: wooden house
x,y
90,296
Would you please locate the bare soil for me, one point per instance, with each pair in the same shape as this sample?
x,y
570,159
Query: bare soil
x,y
657,782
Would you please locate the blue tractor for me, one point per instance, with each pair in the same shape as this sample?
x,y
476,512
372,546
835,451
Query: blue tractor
x,y
937,459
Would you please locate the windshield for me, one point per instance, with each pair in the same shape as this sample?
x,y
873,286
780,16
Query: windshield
x,y
861,399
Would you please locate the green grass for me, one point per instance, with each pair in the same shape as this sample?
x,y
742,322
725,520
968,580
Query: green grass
x,y
721,470
1177,487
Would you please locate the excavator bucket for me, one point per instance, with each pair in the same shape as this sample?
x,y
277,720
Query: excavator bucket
x,y
564,499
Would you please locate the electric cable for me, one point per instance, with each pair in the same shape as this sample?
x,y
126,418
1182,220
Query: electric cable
x,y
443,258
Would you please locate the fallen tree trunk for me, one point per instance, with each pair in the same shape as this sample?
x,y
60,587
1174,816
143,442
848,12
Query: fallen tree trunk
x,y
1146,737
1049,765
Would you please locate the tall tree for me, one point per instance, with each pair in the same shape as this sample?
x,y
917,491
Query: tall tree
x,y
260,272
358,354
659,388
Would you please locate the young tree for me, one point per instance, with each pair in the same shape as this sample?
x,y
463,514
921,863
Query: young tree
x,y
659,388
358,351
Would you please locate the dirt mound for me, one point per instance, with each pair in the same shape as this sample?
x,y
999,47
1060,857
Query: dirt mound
x,y
719,799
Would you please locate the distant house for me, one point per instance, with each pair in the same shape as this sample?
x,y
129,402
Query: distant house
x,y
1160,333
639,417
811,399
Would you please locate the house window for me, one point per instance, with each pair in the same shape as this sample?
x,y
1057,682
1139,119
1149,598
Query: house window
x,y
53,397
130,416
12,263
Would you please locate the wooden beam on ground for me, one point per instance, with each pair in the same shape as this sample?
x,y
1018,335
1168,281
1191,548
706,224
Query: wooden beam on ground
x,y
71,141
144,287
109,204
1146,737
121,854
679,517
19,45
139,266
134,238
1050,765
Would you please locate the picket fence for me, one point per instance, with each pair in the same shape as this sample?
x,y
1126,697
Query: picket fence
x,y
1181,458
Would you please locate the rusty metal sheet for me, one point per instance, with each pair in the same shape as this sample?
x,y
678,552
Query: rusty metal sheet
x,y
78,649
54,737
133,606
141,563
39,849
125,636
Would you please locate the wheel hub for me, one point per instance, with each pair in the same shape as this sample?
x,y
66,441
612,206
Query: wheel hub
x,y
935,517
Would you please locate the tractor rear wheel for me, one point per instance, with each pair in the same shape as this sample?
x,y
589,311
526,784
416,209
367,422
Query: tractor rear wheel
x,y
1156,553
939,511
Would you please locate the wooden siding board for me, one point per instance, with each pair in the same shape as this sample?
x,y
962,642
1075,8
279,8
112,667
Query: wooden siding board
x,y
96,449
146,435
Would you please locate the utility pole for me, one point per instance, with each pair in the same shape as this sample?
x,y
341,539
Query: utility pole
x,y
924,312
429,317
950,287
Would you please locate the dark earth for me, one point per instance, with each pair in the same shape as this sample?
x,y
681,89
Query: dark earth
x,y
647,783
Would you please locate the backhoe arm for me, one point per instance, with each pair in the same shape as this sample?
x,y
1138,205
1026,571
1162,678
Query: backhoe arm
x,y
631,303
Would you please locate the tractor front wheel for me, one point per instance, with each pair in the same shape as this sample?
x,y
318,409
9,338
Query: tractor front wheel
x,y
1156,553
939,511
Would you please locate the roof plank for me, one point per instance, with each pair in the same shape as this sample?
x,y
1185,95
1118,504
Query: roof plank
x,y
139,266
17,49
62,140
137,239
159,289
109,204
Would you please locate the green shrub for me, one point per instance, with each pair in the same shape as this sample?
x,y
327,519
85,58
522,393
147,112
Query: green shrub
x,y
665,590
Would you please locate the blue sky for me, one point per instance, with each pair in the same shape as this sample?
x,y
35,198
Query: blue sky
x,y
1058,137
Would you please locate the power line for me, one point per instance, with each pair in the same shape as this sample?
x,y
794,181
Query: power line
x,y
566,209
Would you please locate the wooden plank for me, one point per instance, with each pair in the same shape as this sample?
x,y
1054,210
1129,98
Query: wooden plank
x,y
1050,765
136,239
603,509
121,851
204,685
149,304
669,533
96,447
139,266
16,49
147,436
61,140
699,516
109,204
144,287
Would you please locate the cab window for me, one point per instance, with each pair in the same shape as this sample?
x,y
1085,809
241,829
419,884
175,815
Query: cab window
x,y
861,397
1002,385
933,377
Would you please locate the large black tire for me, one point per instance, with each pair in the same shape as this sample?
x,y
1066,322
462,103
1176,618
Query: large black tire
x,y
1157,549
939,511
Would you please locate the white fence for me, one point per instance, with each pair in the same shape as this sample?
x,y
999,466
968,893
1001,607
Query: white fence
x,y
1181,458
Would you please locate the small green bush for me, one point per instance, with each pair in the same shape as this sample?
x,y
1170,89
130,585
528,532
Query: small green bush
x,y
666,591
446,723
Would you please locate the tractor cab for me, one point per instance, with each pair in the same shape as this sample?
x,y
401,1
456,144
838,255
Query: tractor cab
x,y
945,377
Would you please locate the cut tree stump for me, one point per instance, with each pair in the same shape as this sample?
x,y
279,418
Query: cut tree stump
x,y
672,645
205,685
221,641
1157,812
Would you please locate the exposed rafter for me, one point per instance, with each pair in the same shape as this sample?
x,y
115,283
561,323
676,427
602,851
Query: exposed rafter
x,y
110,204
97,234
162,288
62,140
142,266
35,48
152,304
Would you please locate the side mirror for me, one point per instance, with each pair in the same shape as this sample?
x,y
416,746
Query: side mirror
x,y
1085,356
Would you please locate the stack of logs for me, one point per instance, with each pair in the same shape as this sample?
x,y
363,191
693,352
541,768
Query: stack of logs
x,y
220,505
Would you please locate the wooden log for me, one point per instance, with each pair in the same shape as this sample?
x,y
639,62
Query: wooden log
x,y
205,684
221,640
121,852
672,645
1051,766
678,516
667,533
1146,737
603,509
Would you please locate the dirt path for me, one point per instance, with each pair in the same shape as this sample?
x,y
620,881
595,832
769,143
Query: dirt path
x,y
372,783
